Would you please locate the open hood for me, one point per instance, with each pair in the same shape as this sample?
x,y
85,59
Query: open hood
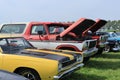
x,y
99,23
78,27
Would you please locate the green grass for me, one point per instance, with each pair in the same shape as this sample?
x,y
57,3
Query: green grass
x,y
103,67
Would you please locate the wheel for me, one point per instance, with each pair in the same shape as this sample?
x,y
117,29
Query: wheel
x,y
86,59
100,50
30,74
107,49
117,46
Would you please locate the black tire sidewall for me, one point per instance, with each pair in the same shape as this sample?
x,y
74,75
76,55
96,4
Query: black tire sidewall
x,y
33,72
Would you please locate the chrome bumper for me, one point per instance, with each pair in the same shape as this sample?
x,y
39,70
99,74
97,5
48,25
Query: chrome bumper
x,y
57,77
90,52
116,49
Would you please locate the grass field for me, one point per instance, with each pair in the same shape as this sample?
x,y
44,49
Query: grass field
x,y
103,67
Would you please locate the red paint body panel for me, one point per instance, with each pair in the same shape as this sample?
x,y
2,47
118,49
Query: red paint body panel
x,y
78,27
82,24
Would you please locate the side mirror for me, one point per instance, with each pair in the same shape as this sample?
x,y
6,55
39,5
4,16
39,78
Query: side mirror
x,y
40,32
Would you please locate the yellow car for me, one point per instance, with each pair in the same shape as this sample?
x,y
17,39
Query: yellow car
x,y
19,56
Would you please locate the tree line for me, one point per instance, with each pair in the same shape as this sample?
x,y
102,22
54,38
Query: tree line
x,y
112,26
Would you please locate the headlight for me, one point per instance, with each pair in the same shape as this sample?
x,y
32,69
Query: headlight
x,y
79,58
59,66
85,46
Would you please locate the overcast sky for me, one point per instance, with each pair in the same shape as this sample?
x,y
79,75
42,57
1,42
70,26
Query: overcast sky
x,y
58,10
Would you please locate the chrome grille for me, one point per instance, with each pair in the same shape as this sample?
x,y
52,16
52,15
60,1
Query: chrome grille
x,y
92,44
68,63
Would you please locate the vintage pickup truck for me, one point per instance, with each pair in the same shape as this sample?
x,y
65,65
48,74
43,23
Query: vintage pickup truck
x,y
101,39
53,35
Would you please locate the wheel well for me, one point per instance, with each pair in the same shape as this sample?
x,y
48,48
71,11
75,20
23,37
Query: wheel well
x,y
24,68
67,48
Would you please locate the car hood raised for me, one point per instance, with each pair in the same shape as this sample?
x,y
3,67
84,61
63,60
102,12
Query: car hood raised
x,y
99,23
78,27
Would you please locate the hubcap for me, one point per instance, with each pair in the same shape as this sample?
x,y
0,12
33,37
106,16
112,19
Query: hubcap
x,y
29,75
107,49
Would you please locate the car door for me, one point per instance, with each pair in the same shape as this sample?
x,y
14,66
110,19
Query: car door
x,y
34,33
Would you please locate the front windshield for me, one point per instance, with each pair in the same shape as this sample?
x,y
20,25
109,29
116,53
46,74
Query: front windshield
x,y
14,45
13,28
113,35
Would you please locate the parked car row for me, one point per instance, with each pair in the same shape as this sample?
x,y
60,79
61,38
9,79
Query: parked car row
x,y
49,50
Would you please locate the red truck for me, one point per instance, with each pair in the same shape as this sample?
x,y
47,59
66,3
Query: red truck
x,y
101,39
53,35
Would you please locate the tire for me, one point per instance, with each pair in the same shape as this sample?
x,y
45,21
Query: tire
x,y
86,59
107,49
30,74
100,51
117,46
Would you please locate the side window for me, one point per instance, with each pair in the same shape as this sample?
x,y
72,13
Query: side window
x,y
3,45
13,28
55,29
51,29
37,28
3,42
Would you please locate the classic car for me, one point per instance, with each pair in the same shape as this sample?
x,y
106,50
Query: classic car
x,y
113,41
19,56
5,75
